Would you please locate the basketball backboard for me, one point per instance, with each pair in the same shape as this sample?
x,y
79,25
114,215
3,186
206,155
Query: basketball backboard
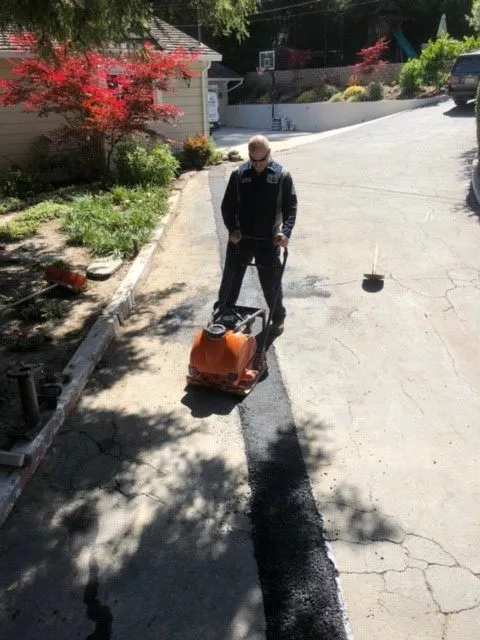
x,y
266,60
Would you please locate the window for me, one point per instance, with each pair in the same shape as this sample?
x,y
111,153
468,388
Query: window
x,y
467,65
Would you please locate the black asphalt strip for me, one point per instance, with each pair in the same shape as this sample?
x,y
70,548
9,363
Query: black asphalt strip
x,y
297,577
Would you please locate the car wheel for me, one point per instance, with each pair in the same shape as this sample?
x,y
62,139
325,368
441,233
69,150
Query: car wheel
x,y
460,102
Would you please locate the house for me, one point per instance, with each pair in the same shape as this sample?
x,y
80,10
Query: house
x,y
19,130
222,80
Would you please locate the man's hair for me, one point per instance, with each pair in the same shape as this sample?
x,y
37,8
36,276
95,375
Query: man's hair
x,y
258,143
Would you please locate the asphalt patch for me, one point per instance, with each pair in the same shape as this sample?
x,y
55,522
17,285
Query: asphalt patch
x,y
297,577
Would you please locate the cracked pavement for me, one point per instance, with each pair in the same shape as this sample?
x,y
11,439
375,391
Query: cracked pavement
x,y
137,525
393,374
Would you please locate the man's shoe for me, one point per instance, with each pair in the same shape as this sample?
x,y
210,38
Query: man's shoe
x,y
278,328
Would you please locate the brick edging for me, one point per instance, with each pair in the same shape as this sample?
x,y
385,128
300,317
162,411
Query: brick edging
x,y
85,359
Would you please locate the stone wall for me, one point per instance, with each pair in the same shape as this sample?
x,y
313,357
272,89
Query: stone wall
x,y
306,78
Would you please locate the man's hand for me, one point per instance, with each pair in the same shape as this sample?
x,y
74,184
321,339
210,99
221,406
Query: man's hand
x,y
235,237
281,240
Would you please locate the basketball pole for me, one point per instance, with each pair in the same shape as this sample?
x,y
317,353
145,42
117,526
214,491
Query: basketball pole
x,y
273,92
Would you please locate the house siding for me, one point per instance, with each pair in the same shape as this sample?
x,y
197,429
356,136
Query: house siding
x,y
19,130
193,101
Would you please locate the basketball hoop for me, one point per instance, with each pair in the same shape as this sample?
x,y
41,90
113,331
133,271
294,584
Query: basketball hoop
x,y
260,70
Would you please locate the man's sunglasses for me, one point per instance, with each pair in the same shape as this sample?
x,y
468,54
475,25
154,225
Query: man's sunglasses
x,y
260,160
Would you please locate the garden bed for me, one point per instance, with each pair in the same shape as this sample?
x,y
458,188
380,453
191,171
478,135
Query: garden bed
x,y
48,329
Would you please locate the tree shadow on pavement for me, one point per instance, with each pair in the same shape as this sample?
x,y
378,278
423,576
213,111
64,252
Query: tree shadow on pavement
x,y
346,514
347,518
290,530
124,530
135,526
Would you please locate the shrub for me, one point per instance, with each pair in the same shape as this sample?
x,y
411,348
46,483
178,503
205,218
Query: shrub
x,y
216,156
437,58
287,98
19,183
410,80
371,57
7,205
136,165
357,97
355,91
306,96
330,90
439,55
265,98
197,152
337,97
67,156
375,91
354,80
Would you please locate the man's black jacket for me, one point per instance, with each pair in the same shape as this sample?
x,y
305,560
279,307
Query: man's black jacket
x,y
260,205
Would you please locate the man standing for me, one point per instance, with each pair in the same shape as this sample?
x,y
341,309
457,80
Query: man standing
x,y
259,209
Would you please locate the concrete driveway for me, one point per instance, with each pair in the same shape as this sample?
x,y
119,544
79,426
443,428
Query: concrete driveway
x,y
166,513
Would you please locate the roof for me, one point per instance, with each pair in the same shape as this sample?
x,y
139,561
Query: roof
x,y
165,37
168,38
218,71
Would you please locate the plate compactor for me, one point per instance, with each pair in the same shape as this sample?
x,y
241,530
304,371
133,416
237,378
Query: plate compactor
x,y
225,355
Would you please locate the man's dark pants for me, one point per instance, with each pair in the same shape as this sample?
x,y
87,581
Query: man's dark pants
x,y
267,258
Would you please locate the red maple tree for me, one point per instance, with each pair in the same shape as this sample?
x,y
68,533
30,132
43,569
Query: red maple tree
x,y
101,97
371,57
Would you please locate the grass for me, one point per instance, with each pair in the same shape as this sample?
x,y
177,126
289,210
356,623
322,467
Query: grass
x,y
117,222
28,221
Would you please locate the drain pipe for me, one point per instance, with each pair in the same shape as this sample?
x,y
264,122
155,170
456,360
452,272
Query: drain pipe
x,y
206,123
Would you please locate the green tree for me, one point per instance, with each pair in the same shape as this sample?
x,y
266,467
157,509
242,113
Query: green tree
x,y
223,17
474,18
92,23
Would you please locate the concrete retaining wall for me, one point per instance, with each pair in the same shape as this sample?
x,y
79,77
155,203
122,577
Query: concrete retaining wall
x,y
318,116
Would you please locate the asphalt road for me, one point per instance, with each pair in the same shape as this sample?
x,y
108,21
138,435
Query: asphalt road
x,y
167,513
384,386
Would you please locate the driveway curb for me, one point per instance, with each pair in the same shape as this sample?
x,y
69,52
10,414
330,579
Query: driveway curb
x,y
86,357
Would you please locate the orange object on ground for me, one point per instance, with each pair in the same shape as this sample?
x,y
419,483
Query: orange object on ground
x,y
56,277
224,355
226,361
64,278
